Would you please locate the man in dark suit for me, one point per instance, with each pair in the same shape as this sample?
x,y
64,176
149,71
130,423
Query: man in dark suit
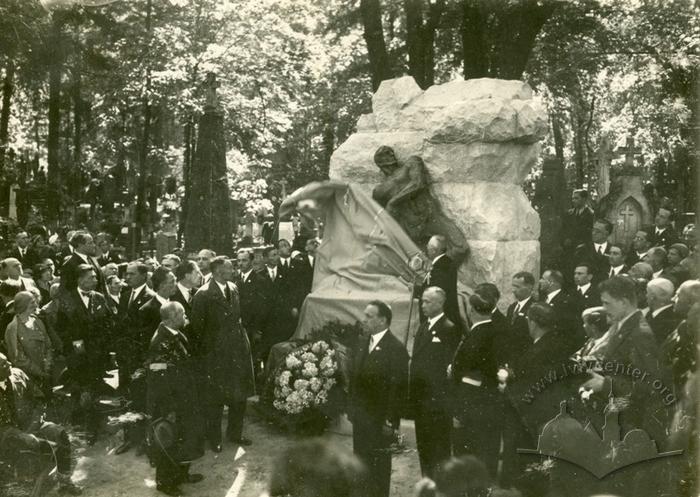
x,y
489,291
173,396
254,293
377,396
288,269
25,254
661,317
596,251
567,318
107,255
189,278
306,267
518,339
663,234
225,352
476,397
84,323
130,353
163,281
641,243
281,320
585,295
83,253
616,261
578,222
442,274
429,389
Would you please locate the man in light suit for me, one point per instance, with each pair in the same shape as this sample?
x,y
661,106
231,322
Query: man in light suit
x,y
429,389
377,396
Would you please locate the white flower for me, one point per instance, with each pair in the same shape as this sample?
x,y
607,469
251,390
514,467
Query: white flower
x,y
292,362
315,384
310,370
301,385
308,357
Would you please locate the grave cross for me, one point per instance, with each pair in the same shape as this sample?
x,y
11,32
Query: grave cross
x,y
626,215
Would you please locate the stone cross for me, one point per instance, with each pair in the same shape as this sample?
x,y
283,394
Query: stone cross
x,y
625,215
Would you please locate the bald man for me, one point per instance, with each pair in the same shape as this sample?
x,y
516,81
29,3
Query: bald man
x,y
434,346
443,274
661,317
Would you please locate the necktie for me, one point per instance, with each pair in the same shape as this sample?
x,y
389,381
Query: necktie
x,y
600,249
612,273
228,294
132,298
371,343
85,296
580,291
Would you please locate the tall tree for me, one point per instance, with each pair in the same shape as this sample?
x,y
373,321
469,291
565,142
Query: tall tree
x,y
380,67
422,21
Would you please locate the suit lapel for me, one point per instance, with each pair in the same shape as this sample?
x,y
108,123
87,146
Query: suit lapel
x,y
423,336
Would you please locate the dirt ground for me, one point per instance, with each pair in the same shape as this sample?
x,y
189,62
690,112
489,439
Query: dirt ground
x,y
232,473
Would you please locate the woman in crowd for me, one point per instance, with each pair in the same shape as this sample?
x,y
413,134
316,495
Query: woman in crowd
x,y
43,277
28,344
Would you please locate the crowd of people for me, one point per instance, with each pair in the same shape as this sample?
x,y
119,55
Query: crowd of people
x,y
190,334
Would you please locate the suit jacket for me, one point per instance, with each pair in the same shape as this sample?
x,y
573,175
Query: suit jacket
x,y
254,294
378,385
148,320
623,270
633,345
601,265
222,343
433,350
589,299
512,334
569,323
172,387
179,297
69,273
72,322
632,258
443,274
111,256
663,324
545,359
665,239
476,356
129,312
577,227
305,277
28,260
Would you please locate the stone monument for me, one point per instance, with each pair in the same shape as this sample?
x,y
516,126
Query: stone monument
x,y
478,140
626,206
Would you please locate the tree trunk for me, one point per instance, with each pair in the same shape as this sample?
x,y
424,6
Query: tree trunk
x,y
54,131
7,89
579,152
474,52
371,13
141,215
76,172
558,139
420,39
186,174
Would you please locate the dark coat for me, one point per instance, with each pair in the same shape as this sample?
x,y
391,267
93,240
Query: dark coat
x,y
589,299
577,227
512,335
179,297
222,342
253,293
476,356
112,256
599,262
30,258
173,387
130,312
69,273
280,324
72,322
443,274
663,324
379,381
667,238
305,276
541,367
632,258
569,323
148,320
433,350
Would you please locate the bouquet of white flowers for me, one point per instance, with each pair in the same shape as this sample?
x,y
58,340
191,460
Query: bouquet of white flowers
x,y
305,378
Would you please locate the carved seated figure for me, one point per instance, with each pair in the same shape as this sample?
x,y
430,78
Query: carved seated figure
x,y
406,195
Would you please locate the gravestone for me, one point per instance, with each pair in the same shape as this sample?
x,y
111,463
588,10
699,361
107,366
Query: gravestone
x,y
478,139
626,206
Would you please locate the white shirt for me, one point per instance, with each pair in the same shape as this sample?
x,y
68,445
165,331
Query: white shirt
x,y
432,321
519,306
22,251
658,273
206,278
480,322
135,292
374,339
174,332
660,309
162,300
85,298
616,270
185,292
245,275
311,260
273,272
660,230
600,247
286,262
583,289
222,287
553,294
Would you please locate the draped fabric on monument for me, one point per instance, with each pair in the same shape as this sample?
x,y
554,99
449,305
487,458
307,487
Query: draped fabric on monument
x,y
364,256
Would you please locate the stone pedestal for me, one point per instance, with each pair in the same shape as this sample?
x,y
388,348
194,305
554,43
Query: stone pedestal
x,y
626,207
479,140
